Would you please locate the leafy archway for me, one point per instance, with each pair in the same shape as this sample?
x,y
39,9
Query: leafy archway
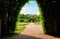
x,y
40,13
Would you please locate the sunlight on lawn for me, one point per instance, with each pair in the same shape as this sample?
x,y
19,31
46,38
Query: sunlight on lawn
x,y
20,26
37,23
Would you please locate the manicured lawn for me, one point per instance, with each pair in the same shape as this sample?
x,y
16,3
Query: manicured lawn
x,y
37,23
20,26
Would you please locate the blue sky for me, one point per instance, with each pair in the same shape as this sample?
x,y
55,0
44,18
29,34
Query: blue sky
x,y
30,8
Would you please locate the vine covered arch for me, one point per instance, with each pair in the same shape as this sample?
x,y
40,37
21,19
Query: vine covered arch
x,y
9,16
12,7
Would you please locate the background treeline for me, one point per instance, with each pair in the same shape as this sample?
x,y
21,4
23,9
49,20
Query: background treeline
x,y
28,18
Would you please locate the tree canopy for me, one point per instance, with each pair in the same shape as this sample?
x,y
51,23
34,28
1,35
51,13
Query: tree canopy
x,y
28,18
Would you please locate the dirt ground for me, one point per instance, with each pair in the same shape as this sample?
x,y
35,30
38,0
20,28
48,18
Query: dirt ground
x,y
32,31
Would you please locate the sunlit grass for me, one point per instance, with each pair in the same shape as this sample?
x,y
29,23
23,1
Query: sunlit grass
x,y
21,23
19,29
20,26
37,23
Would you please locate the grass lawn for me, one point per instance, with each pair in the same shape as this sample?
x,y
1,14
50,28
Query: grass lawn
x,y
37,23
20,26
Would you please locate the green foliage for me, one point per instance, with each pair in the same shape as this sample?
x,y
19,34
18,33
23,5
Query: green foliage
x,y
20,26
42,20
37,23
28,18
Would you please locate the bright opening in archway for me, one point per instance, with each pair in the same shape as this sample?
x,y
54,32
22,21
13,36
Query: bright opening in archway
x,y
30,11
30,8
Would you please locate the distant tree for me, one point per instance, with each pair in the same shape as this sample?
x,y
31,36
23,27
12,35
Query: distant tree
x,y
29,18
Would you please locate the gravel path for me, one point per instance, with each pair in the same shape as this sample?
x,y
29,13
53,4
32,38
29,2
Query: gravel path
x,y
32,31
36,31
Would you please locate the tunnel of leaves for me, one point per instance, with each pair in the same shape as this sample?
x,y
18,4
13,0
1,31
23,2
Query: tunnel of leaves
x,y
10,8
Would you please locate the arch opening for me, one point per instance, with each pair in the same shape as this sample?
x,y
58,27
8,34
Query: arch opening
x,y
30,12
